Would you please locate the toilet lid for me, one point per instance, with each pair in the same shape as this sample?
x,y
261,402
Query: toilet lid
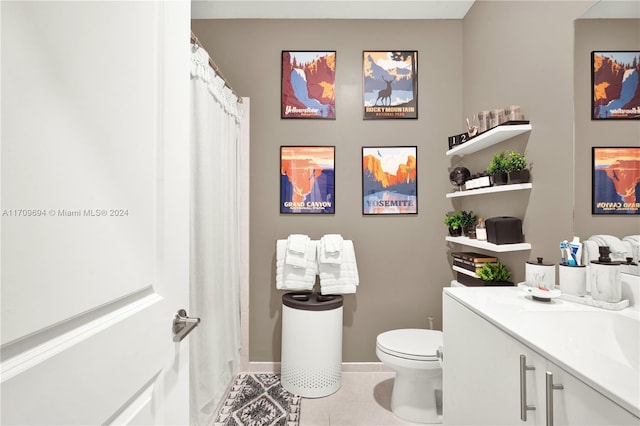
x,y
411,343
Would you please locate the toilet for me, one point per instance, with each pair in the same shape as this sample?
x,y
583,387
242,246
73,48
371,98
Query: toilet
x,y
417,389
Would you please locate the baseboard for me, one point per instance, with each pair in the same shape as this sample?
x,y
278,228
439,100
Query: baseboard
x,y
347,367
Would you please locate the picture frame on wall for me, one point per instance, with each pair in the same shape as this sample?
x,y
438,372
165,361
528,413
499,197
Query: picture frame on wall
x,y
308,85
615,180
307,179
389,180
615,83
390,84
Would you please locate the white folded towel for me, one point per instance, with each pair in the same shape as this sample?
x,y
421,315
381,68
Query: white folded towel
x,y
289,277
330,249
340,278
296,250
338,289
297,243
618,250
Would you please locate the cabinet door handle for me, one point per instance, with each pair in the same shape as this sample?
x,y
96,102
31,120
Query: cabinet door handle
x,y
523,388
550,387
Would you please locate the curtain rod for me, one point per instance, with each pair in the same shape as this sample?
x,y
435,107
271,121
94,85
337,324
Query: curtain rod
x,y
213,65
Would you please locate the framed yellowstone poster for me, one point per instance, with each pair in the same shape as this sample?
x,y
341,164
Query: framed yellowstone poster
x,y
616,180
389,180
615,85
307,181
308,85
390,84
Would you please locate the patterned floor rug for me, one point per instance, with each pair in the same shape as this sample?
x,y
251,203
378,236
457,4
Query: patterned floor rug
x,y
258,399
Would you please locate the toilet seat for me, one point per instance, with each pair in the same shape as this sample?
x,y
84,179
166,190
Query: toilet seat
x,y
410,343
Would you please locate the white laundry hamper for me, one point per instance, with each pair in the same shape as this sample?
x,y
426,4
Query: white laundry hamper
x,y
311,364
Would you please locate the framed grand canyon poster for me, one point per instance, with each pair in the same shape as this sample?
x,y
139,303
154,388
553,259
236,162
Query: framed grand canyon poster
x,y
389,180
308,85
616,180
307,179
390,84
615,85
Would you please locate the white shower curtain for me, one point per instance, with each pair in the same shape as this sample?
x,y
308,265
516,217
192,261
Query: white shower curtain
x,y
215,259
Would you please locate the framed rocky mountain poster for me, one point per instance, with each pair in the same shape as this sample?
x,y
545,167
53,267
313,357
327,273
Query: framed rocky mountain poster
x,y
390,84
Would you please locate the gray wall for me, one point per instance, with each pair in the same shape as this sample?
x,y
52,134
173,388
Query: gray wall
x,y
513,53
402,260
522,53
599,34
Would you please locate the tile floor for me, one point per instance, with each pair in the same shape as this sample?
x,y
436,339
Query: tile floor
x,y
363,399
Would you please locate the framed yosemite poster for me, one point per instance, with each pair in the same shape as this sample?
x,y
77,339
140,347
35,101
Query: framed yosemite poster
x,y
615,180
389,180
390,84
615,85
308,84
307,179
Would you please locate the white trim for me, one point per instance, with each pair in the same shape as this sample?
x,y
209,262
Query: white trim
x,y
347,367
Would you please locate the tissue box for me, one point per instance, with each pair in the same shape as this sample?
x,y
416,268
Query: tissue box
x,y
504,230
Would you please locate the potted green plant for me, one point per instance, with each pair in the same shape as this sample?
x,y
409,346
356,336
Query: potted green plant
x,y
468,223
517,168
497,169
494,274
453,221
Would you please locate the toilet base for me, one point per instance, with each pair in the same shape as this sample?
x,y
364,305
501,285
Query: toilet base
x,y
417,395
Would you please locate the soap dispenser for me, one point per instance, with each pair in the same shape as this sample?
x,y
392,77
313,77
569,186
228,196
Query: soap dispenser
x,y
604,277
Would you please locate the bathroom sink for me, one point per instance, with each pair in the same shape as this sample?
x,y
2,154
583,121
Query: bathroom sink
x,y
612,335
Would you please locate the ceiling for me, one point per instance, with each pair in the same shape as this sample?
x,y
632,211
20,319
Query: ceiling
x,y
330,9
372,9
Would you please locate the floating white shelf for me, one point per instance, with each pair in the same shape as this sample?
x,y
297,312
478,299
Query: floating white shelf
x,y
464,271
499,248
488,138
490,189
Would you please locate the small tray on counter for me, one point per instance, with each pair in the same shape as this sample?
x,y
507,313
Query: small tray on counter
x,y
588,300
537,294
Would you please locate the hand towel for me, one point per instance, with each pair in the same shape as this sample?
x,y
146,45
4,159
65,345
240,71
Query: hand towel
x,y
296,250
340,278
330,249
618,250
297,243
289,277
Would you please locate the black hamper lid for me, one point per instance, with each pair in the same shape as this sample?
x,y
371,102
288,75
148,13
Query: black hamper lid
x,y
312,301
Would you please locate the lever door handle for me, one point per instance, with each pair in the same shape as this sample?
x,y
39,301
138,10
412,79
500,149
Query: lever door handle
x,y
183,325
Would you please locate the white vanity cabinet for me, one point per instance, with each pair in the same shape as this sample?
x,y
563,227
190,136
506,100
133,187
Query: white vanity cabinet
x,y
579,404
490,378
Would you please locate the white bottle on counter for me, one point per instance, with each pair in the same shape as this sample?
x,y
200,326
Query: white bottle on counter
x,y
481,230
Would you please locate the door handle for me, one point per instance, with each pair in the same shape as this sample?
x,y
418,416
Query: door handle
x,y
550,386
183,325
523,388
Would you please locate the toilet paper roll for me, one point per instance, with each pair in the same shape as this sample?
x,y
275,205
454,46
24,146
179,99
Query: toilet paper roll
x,y
573,279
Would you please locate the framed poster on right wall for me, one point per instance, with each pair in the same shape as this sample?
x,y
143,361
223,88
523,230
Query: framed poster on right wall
x,y
615,180
615,85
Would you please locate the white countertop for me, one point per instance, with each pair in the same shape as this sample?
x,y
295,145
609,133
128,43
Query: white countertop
x,y
599,347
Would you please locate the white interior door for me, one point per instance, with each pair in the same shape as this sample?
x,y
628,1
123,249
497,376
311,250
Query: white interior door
x,y
95,211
